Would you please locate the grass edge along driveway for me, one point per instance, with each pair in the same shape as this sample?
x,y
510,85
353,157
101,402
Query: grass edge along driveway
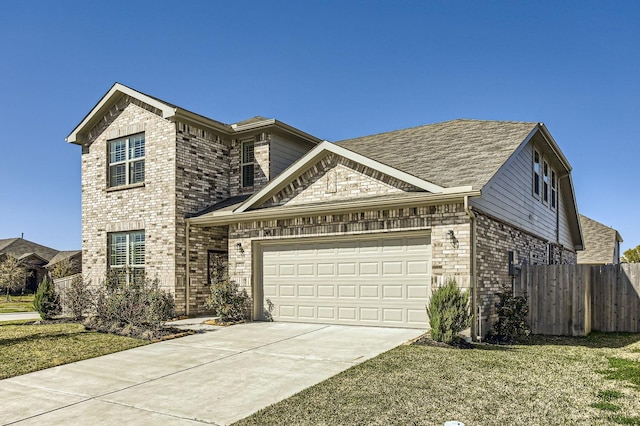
x,y
551,381
27,347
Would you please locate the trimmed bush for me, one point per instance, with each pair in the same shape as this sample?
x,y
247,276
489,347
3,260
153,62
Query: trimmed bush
x,y
228,301
139,308
512,324
46,301
448,312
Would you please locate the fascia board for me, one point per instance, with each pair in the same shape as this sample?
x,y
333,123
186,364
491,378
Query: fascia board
x,y
554,146
406,200
321,149
199,120
105,102
277,124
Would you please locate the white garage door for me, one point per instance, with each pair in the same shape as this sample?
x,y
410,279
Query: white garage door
x,y
379,280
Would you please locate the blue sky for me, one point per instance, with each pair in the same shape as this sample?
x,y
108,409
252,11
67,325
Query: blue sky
x,y
335,69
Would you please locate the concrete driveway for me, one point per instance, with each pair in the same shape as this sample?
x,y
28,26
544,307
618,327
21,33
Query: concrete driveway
x,y
216,377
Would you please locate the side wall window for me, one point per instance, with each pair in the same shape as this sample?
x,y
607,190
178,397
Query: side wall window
x,y
127,254
126,160
247,164
536,174
545,181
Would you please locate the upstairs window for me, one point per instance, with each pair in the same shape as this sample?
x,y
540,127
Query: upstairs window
x,y
247,164
554,189
545,182
536,174
126,160
127,254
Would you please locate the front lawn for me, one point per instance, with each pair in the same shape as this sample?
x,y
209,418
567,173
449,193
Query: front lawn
x,y
552,381
27,348
17,304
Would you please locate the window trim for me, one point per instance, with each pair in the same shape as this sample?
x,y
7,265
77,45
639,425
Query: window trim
x,y
554,190
537,175
545,182
129,162
244,163
128,267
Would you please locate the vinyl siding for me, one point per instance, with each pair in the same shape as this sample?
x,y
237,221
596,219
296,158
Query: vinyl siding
x,y
284,152
509,196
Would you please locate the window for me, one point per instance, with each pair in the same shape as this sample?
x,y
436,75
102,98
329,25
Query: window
x,y
545,182
126,160
536,173
127,254
247,164
554,189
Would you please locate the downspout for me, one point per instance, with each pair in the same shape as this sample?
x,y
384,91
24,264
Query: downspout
x,y
475,325
188,273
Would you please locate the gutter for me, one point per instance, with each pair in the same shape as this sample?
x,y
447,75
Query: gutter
x,y
187,283
475,325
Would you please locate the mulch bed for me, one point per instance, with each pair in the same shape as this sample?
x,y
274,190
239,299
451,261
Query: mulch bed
x,y
426,340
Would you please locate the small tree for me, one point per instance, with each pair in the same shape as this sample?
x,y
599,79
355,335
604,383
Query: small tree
x,y
46,301
13,275
78,298
448,312
64,268
632,255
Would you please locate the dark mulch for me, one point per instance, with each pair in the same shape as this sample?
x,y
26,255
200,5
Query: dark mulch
x,y
458,343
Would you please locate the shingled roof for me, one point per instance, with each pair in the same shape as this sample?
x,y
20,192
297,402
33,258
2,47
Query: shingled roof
x,y
451,153
600,242
18,247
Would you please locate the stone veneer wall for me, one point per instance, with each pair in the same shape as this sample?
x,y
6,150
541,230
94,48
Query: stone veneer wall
x,y
494,240
202,179
149,206
448,261
335,178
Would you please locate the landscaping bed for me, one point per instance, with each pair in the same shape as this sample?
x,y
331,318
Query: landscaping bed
x,y
547,381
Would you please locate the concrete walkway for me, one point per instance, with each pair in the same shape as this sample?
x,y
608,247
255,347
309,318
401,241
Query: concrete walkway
x,y
209,378
20,316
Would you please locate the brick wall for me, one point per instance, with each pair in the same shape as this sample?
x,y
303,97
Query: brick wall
x,y
149,207
336,178
494,241
449,259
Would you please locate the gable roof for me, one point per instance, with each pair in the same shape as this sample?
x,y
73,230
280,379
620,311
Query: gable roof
x,y
63,255
452,153
173,112
600,241
19,247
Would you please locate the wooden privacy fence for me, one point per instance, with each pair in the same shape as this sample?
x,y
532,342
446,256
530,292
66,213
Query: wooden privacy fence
x,y
573,300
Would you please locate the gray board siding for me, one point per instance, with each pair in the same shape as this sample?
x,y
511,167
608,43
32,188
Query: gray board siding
x,y
284,153
509,196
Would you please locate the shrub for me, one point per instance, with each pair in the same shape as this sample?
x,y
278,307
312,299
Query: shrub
x,y
78,298
46,301
227,301
448,312
512,324
139,308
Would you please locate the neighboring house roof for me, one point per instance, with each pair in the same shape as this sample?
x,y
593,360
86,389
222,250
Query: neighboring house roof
x,y
19,248
452,153
63,255
601,242
173,112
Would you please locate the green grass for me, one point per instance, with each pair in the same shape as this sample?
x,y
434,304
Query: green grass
x,y
551,381
28,347
17,304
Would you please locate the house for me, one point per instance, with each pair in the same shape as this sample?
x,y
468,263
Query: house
x,y
65,263
601,243
354,232
31,255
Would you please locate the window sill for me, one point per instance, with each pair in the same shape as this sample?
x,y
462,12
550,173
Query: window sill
x,y
123,187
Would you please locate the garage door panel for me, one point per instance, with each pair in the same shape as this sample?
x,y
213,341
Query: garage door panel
x,y
372,280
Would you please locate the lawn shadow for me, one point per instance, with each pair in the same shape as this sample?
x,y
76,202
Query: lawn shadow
x,y
594,340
